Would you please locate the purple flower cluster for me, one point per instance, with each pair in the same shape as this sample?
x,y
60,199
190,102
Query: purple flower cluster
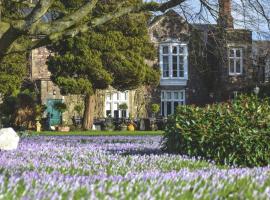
x,y
119,167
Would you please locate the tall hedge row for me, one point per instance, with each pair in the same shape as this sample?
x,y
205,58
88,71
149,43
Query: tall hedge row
x,y
233,133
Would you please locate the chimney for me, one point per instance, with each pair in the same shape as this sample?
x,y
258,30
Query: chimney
x,y
225,18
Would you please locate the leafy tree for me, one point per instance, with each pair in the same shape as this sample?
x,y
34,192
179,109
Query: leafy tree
x,y
19,110
111,54
54,19
23,20
13,70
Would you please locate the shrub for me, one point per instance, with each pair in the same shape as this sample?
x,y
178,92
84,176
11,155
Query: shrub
x,y
155,108
234,133
78,108
123,106
60,106
21,110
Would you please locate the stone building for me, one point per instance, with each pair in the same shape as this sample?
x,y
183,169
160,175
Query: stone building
x,y
199,64
49,93
107,101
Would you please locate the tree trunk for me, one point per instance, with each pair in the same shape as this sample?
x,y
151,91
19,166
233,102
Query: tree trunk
x,y
89,110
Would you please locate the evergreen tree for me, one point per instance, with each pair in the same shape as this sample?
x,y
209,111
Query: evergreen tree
x,y
22,22
111,54
13,69
53,19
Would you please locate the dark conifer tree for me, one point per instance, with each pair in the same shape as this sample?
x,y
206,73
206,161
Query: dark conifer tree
x,y
114,53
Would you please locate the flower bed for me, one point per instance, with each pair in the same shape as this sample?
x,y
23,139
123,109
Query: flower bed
x,y
120,167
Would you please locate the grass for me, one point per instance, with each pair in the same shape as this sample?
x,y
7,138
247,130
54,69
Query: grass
x,y
98,133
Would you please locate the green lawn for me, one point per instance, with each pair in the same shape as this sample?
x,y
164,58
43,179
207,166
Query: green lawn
x,y
101,133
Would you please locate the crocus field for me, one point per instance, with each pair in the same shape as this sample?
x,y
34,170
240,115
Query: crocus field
x,y
119,167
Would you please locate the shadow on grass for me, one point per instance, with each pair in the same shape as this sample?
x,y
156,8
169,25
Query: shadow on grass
x,y
140,152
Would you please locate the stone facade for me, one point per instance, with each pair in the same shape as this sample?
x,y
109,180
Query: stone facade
x,y
208,64
261,59
40,74
48,91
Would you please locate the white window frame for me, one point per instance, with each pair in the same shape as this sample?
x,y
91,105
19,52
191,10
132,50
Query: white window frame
x,y
170,59
181,100
235,58
121,97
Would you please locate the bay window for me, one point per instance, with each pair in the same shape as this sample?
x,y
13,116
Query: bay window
x,y
173,60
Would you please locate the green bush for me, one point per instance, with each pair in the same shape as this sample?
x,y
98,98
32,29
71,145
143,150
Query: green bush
x,y
155,108
60,106
123,106
233,133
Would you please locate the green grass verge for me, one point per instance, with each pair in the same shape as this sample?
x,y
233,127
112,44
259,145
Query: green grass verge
x,y
98,133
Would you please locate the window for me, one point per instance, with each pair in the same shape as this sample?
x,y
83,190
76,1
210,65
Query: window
x,y
108,97
170,100
235,61
108,109
113,100
173,60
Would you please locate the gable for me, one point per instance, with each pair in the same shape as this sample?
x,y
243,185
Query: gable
x,y
170,26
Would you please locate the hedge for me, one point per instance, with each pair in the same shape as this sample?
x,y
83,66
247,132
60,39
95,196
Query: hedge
x,y
232,133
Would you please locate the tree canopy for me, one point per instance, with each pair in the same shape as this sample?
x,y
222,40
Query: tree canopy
x,y
26,25
114,53
111,54
53,19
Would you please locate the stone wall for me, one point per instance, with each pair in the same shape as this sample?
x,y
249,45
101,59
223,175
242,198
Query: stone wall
x,y
208,68
39,69
172,27
40,74
226,83
261,58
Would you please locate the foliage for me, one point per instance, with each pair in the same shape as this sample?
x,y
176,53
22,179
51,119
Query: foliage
x,y
13,69
111,54
55,19
123,106
21,110
234,133
39,110
60,106
155,108
78,108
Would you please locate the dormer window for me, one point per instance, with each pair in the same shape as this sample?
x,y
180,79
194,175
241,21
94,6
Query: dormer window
x,y
235,61
173,60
